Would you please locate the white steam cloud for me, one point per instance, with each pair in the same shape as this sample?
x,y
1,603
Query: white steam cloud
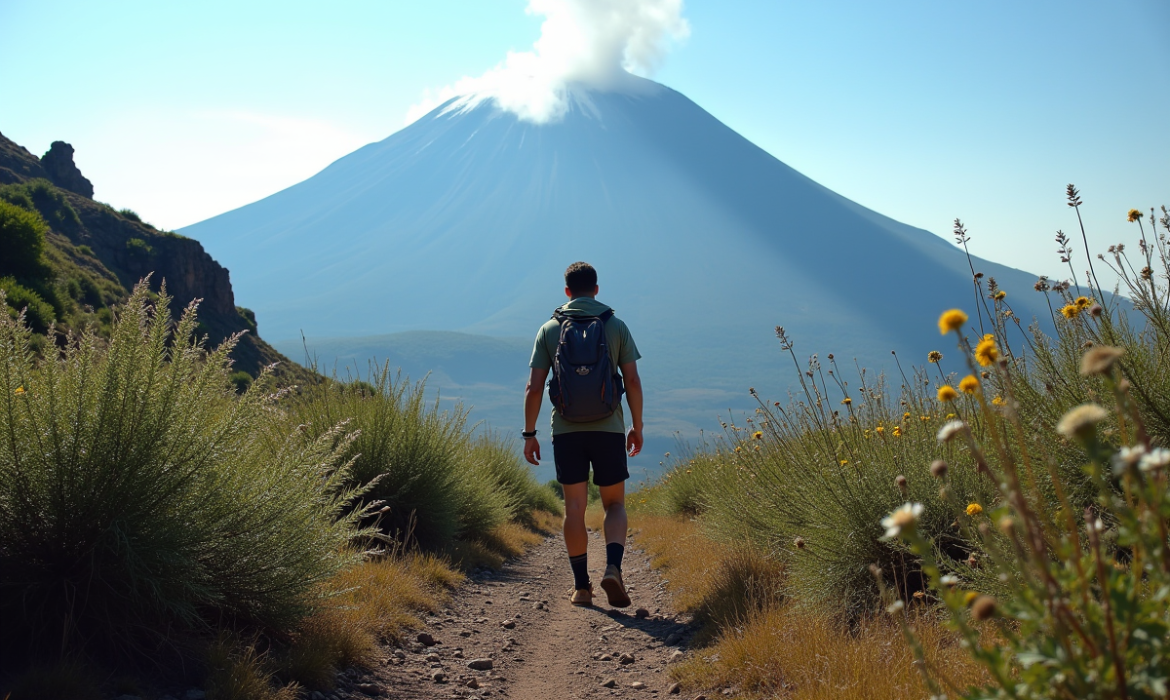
x,y
593,44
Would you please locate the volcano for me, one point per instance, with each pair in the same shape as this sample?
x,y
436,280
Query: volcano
x,y
465,220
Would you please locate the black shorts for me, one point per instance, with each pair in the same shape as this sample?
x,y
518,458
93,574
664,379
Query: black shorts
x,y
574,452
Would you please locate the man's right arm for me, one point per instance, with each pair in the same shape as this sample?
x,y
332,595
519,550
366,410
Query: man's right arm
x,y
533,394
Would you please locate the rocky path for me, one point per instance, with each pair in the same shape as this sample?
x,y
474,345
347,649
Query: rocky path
x,y
514,635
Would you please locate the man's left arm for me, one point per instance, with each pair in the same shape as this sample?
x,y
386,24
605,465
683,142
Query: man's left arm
x,y
634,398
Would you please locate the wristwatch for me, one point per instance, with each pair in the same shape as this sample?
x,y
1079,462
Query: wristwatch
x,y
526,434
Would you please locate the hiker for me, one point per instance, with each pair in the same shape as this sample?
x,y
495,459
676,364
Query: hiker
x,y
584,345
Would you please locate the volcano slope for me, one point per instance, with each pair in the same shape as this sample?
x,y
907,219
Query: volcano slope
x,y
464,221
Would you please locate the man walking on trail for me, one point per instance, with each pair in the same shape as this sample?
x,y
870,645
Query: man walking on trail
x,y
584,345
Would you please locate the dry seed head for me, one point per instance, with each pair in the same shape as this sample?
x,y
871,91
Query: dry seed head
x,y
1100,359
983,608
1133,215
798,543
901,483
1080,421
938,468
950,430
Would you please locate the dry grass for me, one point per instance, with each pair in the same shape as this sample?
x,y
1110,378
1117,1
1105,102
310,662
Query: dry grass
x,y
381,601
762,647
239,672
376,601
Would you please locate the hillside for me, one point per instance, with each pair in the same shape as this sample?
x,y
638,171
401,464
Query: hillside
x,y
93,255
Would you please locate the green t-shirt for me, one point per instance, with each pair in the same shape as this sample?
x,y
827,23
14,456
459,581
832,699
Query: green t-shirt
x,y
621,351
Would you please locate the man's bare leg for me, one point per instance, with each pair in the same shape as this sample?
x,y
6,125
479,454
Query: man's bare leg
x,y
613,500
577,541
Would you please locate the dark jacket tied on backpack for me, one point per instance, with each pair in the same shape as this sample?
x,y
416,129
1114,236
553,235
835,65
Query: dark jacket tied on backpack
x,y
585,386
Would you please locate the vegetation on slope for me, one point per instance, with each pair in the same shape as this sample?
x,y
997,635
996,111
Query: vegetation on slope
x,y
999,504
149,511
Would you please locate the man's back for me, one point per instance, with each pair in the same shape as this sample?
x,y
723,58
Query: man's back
x,y
619,342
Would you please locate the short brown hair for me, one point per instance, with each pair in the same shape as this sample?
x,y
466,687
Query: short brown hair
x,y
580,278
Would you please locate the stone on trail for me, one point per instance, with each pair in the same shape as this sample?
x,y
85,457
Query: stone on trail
x,y
438,676
674,689
677,655
425,639
480,664
605,657
637,685
369,689
508,624
472,683
642,613
673,638
609,683
626,659
431,658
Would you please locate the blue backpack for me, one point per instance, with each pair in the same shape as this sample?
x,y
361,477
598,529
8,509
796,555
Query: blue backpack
x,y
585,386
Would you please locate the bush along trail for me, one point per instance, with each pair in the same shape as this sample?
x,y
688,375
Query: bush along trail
x,y
512,633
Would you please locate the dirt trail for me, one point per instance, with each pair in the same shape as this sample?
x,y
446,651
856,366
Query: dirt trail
x,y
539,645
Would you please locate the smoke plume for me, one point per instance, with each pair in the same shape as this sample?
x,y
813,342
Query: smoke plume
x,y
583,44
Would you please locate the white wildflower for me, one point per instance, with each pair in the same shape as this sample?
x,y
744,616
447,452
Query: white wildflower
x,y
949,580
1156,460
1127,457
904,518
950,430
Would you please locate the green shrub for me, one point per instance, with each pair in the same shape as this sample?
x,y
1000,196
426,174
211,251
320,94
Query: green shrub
x,y
85,250
130,214
22,242
240,380
496,461
38,313
409,446
139,248
42,196
141,498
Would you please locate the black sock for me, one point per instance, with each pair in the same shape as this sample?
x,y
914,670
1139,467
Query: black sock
x,y
614,553
580,564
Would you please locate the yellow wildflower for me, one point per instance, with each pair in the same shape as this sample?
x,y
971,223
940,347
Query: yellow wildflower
x,y
986,352
969,384
757,435
923,418
906,414
1133,215
739,449
19,390
974,509
951,320
998,401
846,400
897,431
1083,302
844,462
969,597
880,430
999,296
1070,312
934,356
950,416
946,392
688,471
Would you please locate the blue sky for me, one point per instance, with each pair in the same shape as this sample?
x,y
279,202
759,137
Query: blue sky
x,y
924,111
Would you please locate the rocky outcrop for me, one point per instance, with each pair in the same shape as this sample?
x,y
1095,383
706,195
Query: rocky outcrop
x,y
63,172
132,250
17,164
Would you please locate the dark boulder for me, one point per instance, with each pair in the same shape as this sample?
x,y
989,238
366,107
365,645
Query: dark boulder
x,y
63,172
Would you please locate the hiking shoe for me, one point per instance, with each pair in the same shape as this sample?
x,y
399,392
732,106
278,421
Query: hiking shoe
x,y
615,588
582,597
